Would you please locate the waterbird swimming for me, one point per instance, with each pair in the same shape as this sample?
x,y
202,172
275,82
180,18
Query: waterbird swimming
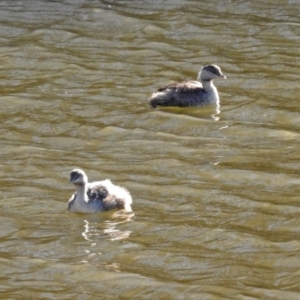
x,y
97,196
190,93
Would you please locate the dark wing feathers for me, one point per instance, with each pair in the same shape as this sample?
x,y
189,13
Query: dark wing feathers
x,y
97,193
184,93
101,194
184,85
112,202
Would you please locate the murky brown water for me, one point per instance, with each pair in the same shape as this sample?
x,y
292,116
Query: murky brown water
x,y
216,191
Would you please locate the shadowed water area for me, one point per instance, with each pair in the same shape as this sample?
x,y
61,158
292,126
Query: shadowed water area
x,y
215,189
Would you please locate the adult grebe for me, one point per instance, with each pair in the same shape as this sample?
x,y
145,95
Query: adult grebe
x,y
190,93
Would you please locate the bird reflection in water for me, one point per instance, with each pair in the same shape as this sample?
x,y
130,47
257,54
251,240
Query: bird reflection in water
x,y
211,112
215,116
91,228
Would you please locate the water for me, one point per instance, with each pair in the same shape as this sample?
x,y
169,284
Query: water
x,y
215,190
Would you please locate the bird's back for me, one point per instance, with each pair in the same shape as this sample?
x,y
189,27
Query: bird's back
x,y
186,93
109,196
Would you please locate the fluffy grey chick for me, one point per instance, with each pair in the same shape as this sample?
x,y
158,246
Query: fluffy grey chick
x,y
97,196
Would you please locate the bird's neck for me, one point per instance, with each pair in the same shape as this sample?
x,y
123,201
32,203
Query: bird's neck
x,y
81,190
211,90
208,85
